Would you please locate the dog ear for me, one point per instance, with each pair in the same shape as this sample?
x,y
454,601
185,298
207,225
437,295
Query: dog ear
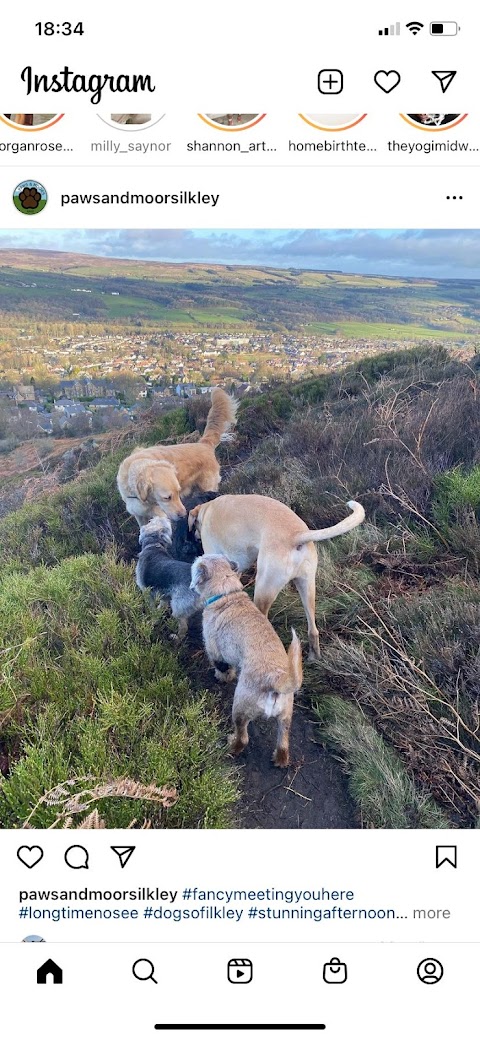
x,y
144,487
192,517
201,572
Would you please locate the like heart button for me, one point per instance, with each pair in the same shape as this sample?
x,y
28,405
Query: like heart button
x,y
387,81
30,856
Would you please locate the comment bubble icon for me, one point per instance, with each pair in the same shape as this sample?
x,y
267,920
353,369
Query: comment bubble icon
x,y
76,857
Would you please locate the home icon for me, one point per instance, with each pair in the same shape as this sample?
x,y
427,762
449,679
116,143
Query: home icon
x,y
47,968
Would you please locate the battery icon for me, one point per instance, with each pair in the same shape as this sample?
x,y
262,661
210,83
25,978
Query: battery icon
x,y
444,28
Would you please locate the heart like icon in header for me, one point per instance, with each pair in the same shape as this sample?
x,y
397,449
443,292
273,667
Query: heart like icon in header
x,y
387,81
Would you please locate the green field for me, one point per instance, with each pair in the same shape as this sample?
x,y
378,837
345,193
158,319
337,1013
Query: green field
x,y
375,330
38,286
118,307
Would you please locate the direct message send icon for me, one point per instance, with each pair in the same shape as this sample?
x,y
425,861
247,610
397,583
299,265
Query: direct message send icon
x,y
124,852
445,78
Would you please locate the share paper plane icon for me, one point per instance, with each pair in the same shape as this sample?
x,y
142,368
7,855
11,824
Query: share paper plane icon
x,y
124,853
444,78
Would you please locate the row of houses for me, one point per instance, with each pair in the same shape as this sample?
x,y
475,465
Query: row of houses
x,y
73,389
84,388
62,414
30,409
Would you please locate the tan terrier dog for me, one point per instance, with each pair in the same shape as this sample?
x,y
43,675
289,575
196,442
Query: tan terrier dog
x,y
236,634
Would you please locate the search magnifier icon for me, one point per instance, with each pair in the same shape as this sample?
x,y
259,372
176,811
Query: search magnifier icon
x,y
143,970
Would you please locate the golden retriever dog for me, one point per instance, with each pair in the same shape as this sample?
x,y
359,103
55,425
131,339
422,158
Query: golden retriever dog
x,y
251,528
152,479
236,634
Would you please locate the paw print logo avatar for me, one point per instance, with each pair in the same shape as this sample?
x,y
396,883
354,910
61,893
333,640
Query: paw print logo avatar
x,y
30,197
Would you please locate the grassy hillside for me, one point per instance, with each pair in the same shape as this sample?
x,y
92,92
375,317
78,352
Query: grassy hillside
x,y
95,697
93,694
40,286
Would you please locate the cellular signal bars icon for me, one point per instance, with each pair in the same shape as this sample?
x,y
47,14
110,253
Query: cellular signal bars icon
x,y
391,30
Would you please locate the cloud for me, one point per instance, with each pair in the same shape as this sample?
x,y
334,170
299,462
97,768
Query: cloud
x,y
435,253
397,251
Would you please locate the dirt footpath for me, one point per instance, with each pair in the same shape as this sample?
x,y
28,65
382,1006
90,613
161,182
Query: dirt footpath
x,y
311,794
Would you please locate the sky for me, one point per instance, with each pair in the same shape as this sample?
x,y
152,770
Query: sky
x,y
411,253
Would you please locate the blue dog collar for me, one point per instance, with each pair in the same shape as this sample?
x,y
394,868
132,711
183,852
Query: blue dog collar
x,y
213,598
223,595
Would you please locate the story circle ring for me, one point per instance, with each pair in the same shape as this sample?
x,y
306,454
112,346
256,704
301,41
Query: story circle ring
x,y
133,128
332,129
231,129
432,129
31,129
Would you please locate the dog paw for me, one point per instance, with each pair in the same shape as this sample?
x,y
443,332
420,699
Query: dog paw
x,y
281,758
235,746
224,676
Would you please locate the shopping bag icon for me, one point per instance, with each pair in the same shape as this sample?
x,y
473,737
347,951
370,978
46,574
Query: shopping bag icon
x,y
335,972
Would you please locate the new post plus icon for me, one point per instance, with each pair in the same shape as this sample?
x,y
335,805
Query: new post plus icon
x,y
330,81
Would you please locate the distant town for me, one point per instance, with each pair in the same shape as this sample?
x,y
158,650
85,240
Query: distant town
x,y
76,383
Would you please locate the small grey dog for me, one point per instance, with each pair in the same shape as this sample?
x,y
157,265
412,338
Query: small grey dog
x,y
167,577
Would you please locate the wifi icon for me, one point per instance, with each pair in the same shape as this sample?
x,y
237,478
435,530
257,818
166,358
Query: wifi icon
x,y
414,27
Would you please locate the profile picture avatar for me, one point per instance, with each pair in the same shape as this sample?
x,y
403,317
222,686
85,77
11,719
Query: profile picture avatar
x,y
30,197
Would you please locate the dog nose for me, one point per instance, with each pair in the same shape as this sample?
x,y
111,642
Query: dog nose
x,y
182,511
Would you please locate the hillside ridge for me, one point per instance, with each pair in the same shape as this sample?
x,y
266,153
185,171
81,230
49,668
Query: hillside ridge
x,y
395,695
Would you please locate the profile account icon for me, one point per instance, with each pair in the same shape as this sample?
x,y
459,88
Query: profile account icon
x,y
430,971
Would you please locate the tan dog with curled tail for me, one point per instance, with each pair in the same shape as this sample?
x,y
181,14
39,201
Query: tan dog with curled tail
x,y
251,528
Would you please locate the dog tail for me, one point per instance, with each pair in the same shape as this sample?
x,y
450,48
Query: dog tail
x,y
222,415
289,681
357,517
295,667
